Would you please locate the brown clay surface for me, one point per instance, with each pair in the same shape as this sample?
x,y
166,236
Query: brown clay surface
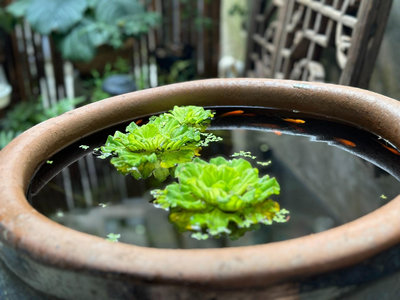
x,y
50,247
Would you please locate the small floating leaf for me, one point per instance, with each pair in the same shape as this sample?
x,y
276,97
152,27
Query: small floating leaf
x,y
60,214
113,237
383,197
49,162
84,147
264,163
243,154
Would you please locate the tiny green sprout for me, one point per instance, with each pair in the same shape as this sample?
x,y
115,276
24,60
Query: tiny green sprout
x,y
383,197
113,237
49,162
84,147
60,214
209,138
103,205
264,147
264,163
243,154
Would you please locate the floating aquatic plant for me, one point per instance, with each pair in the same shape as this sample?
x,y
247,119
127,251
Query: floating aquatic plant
x,y
157,147
113,237
222,197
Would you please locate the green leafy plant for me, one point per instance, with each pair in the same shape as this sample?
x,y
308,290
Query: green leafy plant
x,y
26,114
121,66
222,197
6,20
216,198
80,26
181,70
158,146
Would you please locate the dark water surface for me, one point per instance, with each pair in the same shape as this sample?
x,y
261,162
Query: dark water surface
x,y
329,174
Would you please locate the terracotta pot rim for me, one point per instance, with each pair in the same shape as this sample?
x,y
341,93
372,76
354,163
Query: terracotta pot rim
x,y
47,243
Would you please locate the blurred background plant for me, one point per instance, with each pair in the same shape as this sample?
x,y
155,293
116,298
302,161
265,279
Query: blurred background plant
x,y
26,114
96,82
80,27
48,48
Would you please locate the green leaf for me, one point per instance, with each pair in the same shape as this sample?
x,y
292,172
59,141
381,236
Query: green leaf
x,y
29,113
110,11
56,15
18,8
222,197
78,44
60,107
157,147
192,115
113,237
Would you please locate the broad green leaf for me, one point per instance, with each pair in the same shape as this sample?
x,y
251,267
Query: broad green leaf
x,y
77,46
26,114
56,15
110,11
18,8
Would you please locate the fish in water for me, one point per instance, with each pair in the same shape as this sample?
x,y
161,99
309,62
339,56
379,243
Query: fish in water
x,y
295,121
232,113
346,142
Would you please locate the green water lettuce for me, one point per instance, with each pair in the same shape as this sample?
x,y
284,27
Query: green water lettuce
x,y
220,197
158,146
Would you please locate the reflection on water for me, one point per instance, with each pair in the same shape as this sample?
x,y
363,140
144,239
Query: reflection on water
x,y
327,171
321,185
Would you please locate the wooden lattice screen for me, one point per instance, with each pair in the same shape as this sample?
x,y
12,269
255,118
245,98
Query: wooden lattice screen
x,y
316,40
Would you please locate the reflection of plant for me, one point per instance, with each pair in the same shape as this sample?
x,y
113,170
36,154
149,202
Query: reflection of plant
x,y
156,147
220,197
27,114
80,26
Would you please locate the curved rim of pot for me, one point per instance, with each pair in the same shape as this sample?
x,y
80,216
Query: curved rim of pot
x,y
43,241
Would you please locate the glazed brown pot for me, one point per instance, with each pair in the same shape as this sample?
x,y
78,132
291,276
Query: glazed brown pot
x,y
75,265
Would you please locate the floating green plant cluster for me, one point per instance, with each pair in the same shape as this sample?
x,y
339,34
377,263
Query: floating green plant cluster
x,y
158,146
215,198
220,197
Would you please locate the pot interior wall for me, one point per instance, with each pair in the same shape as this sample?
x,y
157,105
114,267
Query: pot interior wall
x,y
322,185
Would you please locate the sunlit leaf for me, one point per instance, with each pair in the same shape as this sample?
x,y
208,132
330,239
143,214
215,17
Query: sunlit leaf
x,y
222,197
157,147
